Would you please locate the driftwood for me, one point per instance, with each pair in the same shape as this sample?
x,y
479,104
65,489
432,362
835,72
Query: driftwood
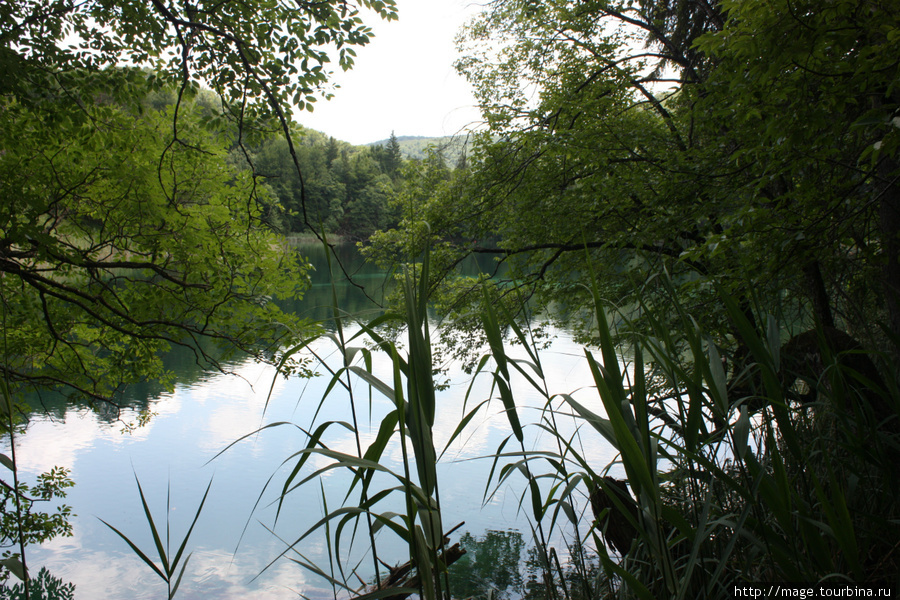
x,y
407,576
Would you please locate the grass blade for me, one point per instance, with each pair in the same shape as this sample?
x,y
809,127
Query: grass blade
x,y
138,552
160,549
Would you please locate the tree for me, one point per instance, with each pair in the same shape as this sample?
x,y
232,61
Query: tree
x,y
725,175
817,139
117,245
259,58
422,198
394,156
724,144
36,527
365,203
125,228
274,52
101,270
319,190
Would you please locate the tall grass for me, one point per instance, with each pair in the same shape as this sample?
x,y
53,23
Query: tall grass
x,y
728,478
731,480
724,477
370,504
171,568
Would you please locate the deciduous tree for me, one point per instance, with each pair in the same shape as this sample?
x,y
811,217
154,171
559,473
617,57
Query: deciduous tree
x,y
123,229
745,146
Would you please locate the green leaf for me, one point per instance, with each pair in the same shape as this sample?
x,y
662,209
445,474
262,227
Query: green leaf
x,y
15,566
138,552
600,424
741,432
7,462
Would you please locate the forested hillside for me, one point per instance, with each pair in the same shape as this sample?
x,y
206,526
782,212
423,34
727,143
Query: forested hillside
x,y
351,191
419,147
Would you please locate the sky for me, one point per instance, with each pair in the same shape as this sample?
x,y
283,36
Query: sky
x,y
403,81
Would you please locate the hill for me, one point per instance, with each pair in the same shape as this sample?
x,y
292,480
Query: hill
x,y
415,146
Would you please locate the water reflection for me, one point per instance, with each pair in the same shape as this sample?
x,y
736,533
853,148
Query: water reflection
x,y
491,566
44,585
182,447
361,288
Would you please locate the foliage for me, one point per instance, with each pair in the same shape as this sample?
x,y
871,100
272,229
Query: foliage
x,y
43,587
34,527
124,231
731,184
126,227
102,271
259,58
491,566
756,176
389,155
732,181
267,55
737,144
422,183
795,493
345,190
19,524
816,139
368,188
719,494
349,191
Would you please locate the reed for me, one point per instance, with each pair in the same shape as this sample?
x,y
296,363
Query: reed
x,y
168,570
375,491
723,476
728,480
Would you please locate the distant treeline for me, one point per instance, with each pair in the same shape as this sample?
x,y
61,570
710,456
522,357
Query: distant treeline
x,y
348,189
418,147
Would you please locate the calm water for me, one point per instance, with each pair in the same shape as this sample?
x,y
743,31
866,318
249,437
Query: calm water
x,y
182,447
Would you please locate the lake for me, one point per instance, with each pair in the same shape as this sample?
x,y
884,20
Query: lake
x,y
237,542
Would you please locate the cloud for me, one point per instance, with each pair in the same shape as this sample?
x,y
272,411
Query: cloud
x,y
403,80
50,443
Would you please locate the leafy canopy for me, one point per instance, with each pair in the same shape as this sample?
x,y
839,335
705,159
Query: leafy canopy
x,y
117,244
745,146
125,228
259,52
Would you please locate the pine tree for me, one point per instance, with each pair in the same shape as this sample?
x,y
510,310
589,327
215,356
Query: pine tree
x,y
395,158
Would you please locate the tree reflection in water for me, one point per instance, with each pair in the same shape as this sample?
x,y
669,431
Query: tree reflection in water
x,y
497,567
492,564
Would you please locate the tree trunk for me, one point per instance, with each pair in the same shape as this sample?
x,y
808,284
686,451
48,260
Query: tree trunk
x,y
889,224
818,294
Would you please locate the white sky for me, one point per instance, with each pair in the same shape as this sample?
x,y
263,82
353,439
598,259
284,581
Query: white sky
x,y
404,80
